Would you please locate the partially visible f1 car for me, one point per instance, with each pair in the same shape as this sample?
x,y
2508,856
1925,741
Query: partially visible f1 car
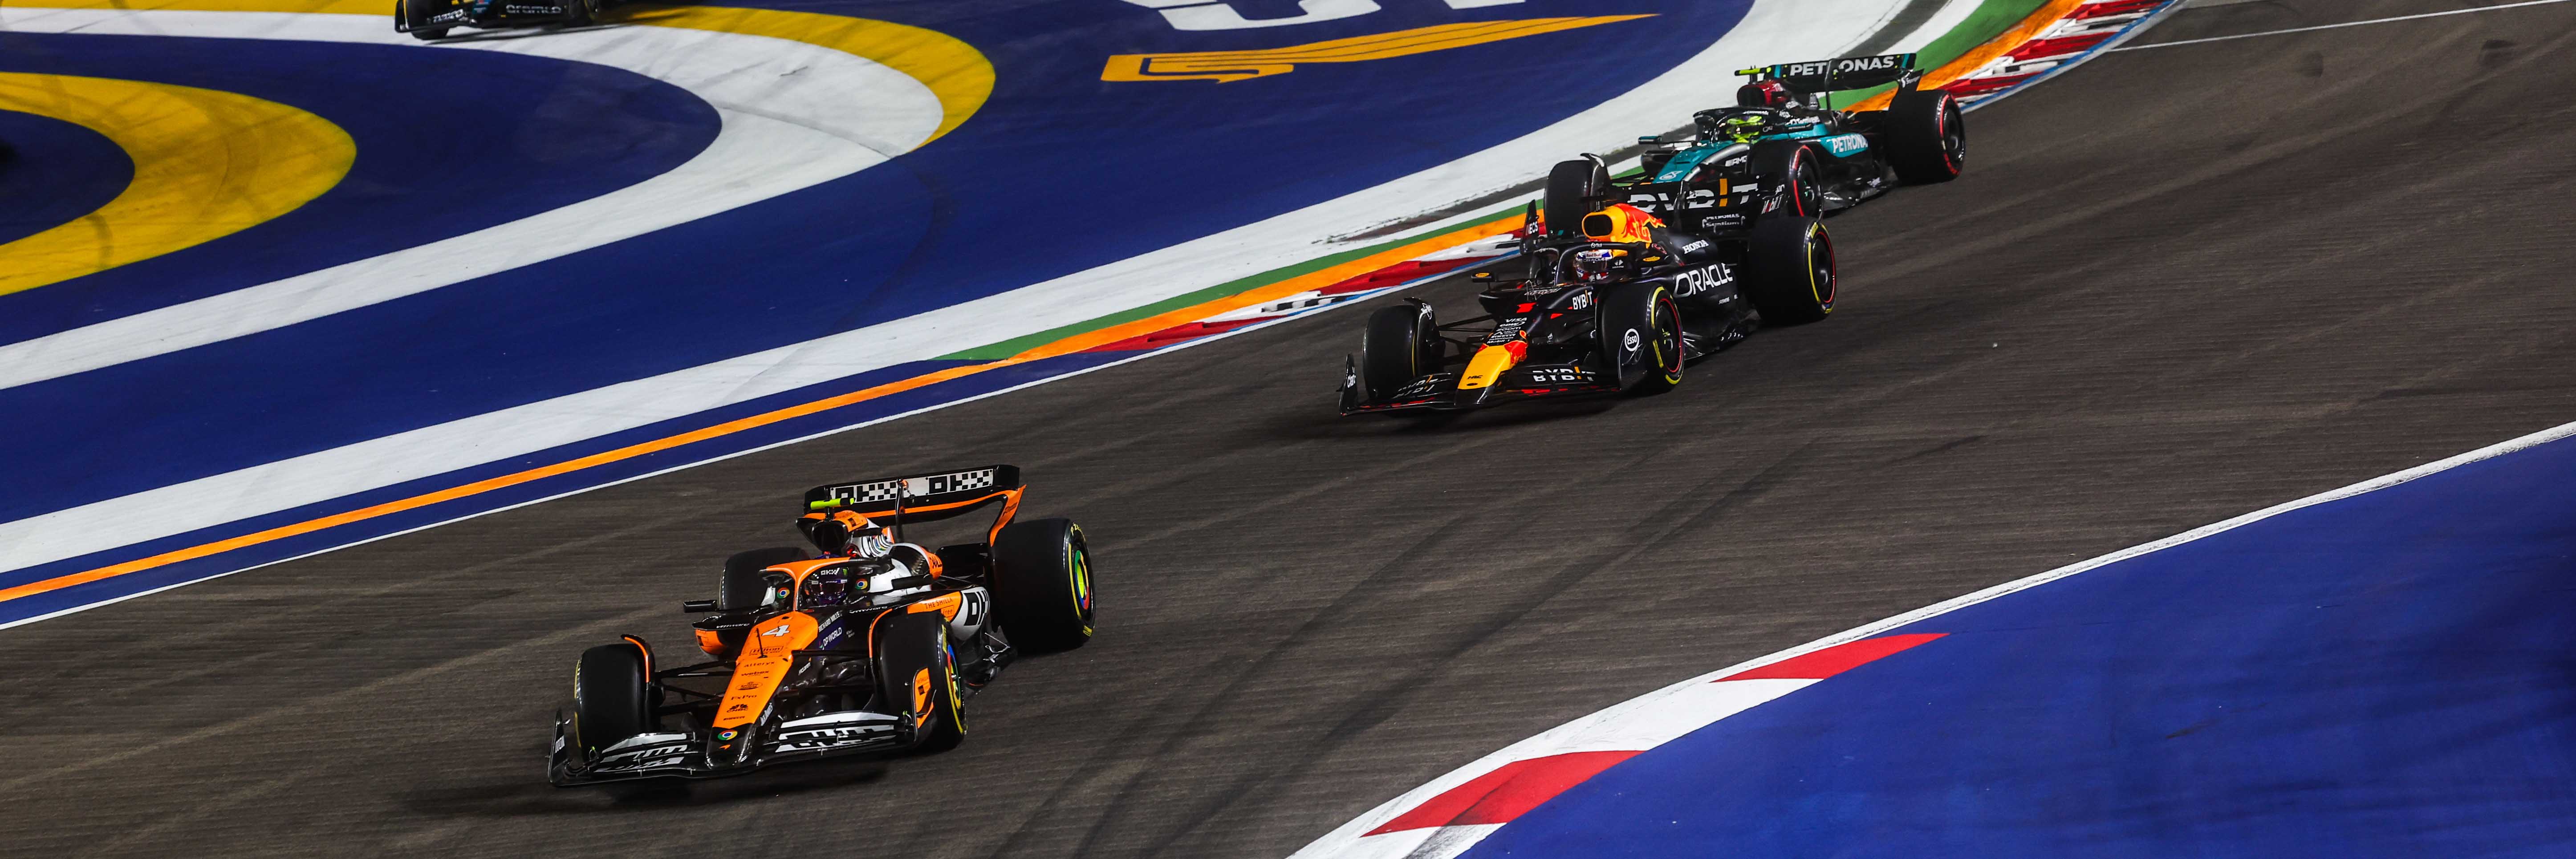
x,y
872,650
431,20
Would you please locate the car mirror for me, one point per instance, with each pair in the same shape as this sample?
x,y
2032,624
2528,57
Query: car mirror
x,y
696,606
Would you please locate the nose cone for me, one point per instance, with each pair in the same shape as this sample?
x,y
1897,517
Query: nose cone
x,y
730,747
1490,362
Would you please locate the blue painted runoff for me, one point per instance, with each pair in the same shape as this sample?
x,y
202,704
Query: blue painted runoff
x,y
2388,675
448,142
53,172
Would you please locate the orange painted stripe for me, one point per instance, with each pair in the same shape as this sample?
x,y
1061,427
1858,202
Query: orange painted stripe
x,y
1066,346
2020,34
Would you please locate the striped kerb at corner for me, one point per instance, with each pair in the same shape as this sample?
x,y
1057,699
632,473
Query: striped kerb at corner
x,y
1820,664
2084,31
1515,785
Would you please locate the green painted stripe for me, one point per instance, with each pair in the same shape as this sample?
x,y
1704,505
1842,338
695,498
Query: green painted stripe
x,y
1990,20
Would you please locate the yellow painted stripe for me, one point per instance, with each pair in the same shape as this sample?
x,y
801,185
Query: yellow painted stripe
x,y
1086,340
2020,34
1230,66
954,71
207,164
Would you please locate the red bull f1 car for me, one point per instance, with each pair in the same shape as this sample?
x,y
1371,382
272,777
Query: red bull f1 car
x,y
1629,280
867,646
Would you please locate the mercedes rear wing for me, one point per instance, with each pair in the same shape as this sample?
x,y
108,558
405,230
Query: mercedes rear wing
x,y
1824,76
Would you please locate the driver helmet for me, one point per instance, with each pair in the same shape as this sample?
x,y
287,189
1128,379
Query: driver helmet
x,y
1593,264
1743,129
1763,94
848,532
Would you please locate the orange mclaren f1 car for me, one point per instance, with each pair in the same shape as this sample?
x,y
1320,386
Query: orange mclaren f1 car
x,y
870,645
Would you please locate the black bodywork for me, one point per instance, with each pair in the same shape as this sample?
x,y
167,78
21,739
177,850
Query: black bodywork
x,y
1557,321
434,19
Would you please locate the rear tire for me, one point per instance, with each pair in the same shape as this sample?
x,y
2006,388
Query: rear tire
x,y
1401,346
1574,189
1791,271
1927,137
612,697
1651,363
1042,585
916,672
740,589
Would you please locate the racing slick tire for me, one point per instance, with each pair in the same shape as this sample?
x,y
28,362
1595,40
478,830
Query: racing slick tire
x,y
1791,271
740,588
582,13
612,696
1927,137
1574,189
1640,337
1042,585
1400,346
916,672
1797,166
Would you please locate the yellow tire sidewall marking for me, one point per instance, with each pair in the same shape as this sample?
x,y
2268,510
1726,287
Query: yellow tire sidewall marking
x,y
207,164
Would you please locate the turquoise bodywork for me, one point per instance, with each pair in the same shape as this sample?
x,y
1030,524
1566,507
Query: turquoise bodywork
x,y
1687,160
1846,145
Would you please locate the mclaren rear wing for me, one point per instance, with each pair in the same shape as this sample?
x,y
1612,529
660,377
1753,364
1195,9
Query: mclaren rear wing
x,y
925,497
1823,76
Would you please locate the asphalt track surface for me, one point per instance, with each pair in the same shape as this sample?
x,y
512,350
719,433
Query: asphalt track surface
x,y
2176,285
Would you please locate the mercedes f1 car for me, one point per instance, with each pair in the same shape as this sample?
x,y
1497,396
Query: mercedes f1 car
x,y
431,20
1783,130
874,647
1628,281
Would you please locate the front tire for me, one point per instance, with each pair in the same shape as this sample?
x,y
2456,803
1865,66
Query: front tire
x,y
740,588
1791,271
1042,585
612,697
1927,137
916,670
1401,345
1640,337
